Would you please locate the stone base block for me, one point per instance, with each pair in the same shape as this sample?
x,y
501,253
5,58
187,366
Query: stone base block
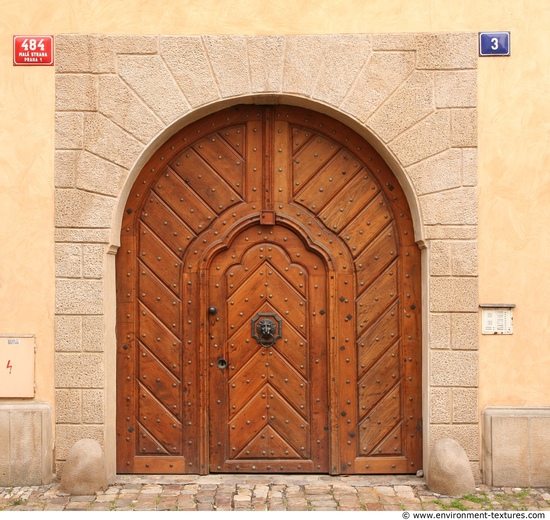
x,y
26,445
516,447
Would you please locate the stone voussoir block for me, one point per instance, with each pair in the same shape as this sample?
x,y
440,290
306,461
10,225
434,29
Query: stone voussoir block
x,y
121,105
337,75
303,61
151,79
411,103
227,55
440,172
104,138
380,76
186,58
266,59
430,136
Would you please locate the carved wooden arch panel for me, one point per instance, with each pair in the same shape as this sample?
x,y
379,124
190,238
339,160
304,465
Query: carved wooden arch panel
x,y
201,307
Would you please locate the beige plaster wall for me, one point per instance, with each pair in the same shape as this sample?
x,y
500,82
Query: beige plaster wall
x,y
514,127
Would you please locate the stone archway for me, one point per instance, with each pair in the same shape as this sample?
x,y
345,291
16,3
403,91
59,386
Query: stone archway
x,y
412,97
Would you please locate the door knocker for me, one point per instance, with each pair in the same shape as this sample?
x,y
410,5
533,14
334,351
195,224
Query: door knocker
x,y
266,328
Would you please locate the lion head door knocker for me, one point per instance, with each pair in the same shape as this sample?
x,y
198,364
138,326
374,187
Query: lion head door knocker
x,y
266,328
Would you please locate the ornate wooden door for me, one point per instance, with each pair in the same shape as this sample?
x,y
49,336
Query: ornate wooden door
x,y
268,346
268,303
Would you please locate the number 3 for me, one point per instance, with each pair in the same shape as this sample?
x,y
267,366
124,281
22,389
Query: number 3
x,y
494,42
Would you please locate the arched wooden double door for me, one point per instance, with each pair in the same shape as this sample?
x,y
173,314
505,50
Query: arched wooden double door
x,y
268,303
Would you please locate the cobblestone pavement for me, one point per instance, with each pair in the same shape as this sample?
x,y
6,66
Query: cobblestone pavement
x,y
270,493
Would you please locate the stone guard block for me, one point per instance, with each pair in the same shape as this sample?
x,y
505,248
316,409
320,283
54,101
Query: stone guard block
x,y
516,447
26,445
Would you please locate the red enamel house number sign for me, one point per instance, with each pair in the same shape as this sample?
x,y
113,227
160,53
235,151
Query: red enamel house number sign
x,y
33,50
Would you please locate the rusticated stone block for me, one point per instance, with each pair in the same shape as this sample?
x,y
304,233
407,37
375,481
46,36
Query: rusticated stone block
x,y
394,42
446,51
440,331
69,130
68,333
440,258
65,165
266,59
93,333
104,138
84,472
93,406
381,76
455,207
84,53
132,43
187,60
469,166
227,55
412,102
467,435
449,470
100,236
429,137
68,260
303,61
440,405
464,258
92,260
68,406
149,77
337,75
464,127
455,89
98,175
438,173
464,331
465,407
453,294
453,368
79,297
79,370
121,105
76,208
75,92
437,232
67,434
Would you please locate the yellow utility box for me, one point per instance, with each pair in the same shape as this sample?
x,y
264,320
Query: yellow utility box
x,y
17,366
